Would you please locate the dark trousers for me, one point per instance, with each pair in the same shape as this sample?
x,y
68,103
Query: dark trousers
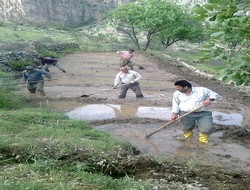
x,y
125,62
36,86
135,87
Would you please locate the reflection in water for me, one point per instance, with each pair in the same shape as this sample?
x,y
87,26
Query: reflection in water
x,y
92,112
227,118
154,113
122,111
111,111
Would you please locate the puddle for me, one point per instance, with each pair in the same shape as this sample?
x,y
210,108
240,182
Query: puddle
x,y
92,112
227,118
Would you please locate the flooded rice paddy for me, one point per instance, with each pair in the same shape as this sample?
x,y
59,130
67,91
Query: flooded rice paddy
x,y
131,120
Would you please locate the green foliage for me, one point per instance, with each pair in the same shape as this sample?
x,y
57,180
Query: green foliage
x,y
2,24
19,64
22,38
229,27
186,28
238,72
45,174
33,124
9,100
12,33
59,26
42,52
154,18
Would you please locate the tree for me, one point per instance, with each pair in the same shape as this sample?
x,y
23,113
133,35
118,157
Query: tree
x,y
188,28
228,21
148,19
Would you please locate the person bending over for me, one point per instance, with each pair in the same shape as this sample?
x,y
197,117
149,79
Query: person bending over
x,y
126,57
128,80
47,62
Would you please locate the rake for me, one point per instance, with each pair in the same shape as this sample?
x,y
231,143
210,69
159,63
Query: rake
x,y
173,121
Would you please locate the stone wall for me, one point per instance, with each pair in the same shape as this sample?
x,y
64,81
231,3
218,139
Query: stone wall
x,y
31,55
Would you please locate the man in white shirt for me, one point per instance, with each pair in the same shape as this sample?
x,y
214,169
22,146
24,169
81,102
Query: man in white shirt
x,y
188,98
128,80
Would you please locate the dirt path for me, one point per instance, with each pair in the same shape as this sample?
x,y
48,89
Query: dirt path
x,y
89,73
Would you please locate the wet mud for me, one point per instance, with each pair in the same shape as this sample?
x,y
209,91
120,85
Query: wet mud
x,y
131,119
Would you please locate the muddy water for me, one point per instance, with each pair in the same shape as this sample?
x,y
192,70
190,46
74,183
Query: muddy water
x,y
92,112
164,143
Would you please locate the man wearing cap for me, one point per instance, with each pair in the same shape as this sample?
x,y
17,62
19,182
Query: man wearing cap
x,y
34,79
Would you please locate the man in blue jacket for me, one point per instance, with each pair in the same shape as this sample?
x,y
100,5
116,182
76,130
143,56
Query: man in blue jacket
x,y
34,79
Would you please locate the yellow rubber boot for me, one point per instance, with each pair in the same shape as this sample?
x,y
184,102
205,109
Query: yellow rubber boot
x,y
188,135
203,138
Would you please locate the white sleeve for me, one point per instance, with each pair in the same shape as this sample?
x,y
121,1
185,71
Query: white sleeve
x,y
175,103
117,79
137,76
212,94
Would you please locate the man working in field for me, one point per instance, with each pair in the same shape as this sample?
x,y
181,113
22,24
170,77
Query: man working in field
x,y
188,98
126,57
128,80
47,62
34,79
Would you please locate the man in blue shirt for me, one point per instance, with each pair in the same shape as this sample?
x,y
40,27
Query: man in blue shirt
x,y
34,79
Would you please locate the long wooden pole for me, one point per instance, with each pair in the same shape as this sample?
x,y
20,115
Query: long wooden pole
x,y
172,121
87,95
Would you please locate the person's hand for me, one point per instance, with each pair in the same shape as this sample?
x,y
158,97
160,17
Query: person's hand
x,y
207,102
132,82
117,52
174,116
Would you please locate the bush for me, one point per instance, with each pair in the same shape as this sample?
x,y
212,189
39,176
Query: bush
x,y
9,100
19,64
47,53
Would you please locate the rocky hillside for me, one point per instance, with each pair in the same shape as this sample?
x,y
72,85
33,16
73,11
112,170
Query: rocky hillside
x,y
46,12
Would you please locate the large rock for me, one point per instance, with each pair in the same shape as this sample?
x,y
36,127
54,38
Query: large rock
x,y
65,12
